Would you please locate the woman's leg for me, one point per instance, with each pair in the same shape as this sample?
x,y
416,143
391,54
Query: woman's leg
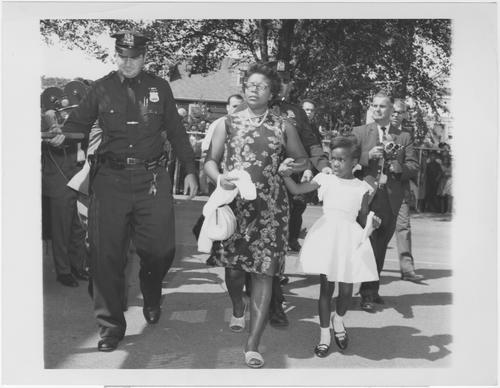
x,y
325,297
235,280
259,307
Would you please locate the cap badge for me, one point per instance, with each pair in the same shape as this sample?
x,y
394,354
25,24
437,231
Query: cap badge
x,y
128,39
153,95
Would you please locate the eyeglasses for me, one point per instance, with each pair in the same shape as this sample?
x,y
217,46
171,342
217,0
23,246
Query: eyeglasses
x,y
257,86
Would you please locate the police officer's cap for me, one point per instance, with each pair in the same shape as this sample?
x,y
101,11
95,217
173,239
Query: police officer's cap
x,y
130,43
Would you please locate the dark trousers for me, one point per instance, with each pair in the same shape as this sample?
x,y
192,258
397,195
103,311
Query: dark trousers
x,y
67,233
403,238
121,209
298,206
380,238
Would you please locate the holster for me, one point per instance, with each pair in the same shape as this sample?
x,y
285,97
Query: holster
x,y
95,164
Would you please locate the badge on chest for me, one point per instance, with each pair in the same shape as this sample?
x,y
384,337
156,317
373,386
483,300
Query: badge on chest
x,y
154,95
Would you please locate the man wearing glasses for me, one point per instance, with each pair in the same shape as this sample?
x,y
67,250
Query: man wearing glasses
x,y
403,226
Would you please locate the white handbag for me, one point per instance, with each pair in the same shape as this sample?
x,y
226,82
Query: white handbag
x,y
221,224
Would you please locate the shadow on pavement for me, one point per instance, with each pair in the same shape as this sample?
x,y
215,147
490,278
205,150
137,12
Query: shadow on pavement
x,y
427,273
391,342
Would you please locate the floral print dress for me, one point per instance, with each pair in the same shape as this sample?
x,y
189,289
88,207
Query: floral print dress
x,y
260,242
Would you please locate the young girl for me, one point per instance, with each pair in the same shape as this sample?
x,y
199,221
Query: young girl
x,y
335,247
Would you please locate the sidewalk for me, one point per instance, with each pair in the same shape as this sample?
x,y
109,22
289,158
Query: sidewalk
x,y
413,329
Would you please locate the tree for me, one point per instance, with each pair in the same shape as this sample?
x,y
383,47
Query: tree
x,y
339,63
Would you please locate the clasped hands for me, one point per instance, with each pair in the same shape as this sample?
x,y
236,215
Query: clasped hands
x,y
287,167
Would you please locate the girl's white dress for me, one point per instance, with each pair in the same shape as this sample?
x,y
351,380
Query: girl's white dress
x,y
333,245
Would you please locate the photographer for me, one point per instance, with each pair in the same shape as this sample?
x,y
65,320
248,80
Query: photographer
x,y
389,175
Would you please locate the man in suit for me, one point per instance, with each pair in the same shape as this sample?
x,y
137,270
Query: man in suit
x,y
403,225
389,192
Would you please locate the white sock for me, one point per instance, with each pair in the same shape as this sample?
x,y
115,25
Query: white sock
x,y
338,323
325,337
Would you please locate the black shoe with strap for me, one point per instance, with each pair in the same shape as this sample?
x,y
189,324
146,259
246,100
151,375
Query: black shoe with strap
x,y
321,350
341,338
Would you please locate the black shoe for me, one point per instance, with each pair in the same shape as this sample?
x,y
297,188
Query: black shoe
x,y
277,317
284,280
152,314
412,277
80,274
321,350
67,280
108,344
367,304
378,299
294,246
341,338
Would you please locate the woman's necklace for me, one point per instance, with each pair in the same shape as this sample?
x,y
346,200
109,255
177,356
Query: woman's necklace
x,y
257,120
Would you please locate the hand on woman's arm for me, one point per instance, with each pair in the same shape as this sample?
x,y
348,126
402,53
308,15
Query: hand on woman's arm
x,y
295,148
214,155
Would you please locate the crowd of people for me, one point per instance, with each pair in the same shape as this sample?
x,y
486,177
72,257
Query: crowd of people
x,y
264,159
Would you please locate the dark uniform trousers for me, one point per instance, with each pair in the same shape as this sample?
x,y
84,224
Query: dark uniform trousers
x,y
380,237
68,234
121,208
66,231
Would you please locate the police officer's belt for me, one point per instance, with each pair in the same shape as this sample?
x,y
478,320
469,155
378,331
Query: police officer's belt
x,y
120,163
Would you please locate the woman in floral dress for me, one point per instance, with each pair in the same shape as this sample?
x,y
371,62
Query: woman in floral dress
x,y
257,141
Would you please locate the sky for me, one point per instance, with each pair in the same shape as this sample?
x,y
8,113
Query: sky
x,y
62,62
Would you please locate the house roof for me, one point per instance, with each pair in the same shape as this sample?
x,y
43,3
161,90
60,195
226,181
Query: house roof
x,y
215,86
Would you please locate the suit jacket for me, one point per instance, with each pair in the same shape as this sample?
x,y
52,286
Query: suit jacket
x,y
396,185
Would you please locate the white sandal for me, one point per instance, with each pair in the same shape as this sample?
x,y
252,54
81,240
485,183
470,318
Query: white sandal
x,y
254,359
237,325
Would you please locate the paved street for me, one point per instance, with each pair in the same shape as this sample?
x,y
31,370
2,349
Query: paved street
x,y
412,330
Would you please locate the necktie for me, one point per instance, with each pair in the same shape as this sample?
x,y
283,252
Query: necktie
x,y
132,109
384,137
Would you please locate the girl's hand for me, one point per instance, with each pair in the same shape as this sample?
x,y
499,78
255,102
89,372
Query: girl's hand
x,y
226,182
306,176
285,168
327,170
377,221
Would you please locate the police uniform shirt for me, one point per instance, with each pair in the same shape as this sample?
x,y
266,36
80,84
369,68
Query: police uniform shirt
x,y
133,132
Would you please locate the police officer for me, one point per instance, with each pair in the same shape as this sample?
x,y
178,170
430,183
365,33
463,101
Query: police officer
x,y
131,189
59,165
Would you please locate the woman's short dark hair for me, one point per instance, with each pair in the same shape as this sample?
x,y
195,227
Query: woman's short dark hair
x,y
349,142
268,72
